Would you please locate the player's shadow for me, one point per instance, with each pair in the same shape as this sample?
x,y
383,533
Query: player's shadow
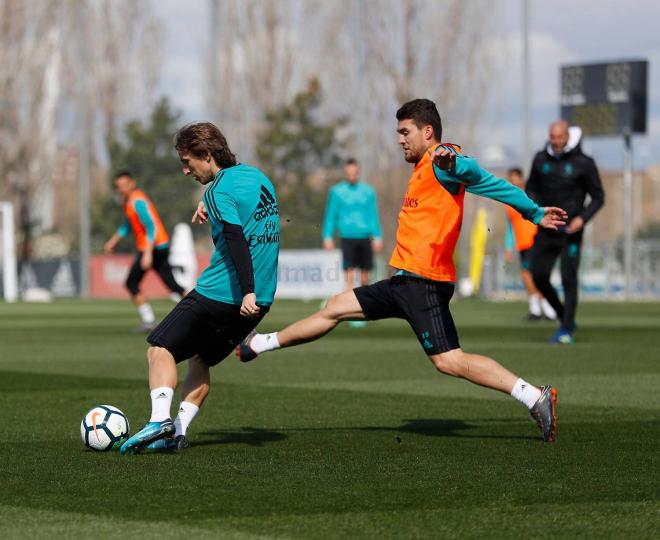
x,y
429,427
247,435
432,427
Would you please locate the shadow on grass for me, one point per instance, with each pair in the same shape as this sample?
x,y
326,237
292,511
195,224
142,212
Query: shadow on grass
x,y
450,428
247,435
19,381
423,426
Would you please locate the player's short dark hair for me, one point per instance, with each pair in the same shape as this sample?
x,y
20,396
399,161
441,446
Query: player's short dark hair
x,y
515,170
351,161
122,172
201,138
422,112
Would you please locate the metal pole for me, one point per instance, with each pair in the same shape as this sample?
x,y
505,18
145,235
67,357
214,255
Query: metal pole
x,y
84,144
362,143
215,29
628,214
527,130
9,274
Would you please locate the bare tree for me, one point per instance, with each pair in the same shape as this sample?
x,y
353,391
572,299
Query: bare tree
x,y
37,90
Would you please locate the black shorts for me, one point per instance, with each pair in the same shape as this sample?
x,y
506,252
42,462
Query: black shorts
x,y
201,326
526,258
162,267
357,253
421,302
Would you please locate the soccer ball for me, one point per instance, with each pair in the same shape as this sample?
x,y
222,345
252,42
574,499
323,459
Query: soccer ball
x,y
103,428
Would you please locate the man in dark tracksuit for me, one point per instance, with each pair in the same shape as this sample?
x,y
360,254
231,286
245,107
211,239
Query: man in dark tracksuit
x,y
562,176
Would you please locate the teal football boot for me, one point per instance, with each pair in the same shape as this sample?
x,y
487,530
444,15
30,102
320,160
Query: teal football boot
x,y
169,444
151,432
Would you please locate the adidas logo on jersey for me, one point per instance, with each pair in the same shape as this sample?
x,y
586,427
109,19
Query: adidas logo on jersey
x,y
267,205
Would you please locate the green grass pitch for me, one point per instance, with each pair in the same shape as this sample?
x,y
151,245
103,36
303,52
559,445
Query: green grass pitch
x,y
353,436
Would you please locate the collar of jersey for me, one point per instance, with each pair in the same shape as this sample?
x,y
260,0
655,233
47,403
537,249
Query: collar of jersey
x,y
427,155
221,172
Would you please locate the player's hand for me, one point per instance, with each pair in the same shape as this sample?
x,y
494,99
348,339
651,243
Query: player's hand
x,y
508,256
109,247
554,217
575,225
147,260
328,243
249,307
200,216
377,245
443,158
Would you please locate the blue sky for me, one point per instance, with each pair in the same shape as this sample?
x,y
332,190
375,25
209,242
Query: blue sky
x,y
561,32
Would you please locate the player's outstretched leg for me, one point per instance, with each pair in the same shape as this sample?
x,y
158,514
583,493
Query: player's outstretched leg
x,y
342,307
484,371
162,381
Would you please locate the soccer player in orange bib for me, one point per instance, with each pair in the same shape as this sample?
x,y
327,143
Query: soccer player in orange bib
x,y
520,235
429,226
152,243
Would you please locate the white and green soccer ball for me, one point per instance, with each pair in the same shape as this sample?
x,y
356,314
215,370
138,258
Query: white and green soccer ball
x,y
104,428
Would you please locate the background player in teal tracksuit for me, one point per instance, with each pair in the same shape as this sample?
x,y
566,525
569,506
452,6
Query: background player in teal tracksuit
x,y
352,210
232,295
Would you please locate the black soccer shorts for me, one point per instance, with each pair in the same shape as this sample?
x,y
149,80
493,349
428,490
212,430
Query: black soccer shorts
x,y
357,253
200,326
421,302
162,267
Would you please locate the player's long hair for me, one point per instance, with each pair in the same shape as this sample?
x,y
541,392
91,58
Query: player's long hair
x,y
200,138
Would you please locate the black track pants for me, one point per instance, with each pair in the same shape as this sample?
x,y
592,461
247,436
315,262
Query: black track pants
x,y
547,247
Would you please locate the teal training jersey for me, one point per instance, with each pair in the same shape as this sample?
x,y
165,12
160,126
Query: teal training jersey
x,y
352,210
242,195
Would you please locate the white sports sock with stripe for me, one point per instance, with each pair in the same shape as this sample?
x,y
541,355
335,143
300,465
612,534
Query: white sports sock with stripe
x,y
526,393
264,342
161,402
187,412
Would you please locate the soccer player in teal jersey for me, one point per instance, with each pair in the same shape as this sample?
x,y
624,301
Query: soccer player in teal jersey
x,y
232,295
352,210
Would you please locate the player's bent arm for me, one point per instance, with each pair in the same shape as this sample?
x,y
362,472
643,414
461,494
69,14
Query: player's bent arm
x,y
595,190
147,260
239,252
124,229
376,231
329,218
110,245
146,219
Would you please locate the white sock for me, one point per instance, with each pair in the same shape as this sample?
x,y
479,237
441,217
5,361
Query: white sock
x,y
187,412
548,311
535,305
146,313
526,393
161,401
264,342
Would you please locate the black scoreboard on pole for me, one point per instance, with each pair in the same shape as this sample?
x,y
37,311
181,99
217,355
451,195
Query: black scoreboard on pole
x,y
605,99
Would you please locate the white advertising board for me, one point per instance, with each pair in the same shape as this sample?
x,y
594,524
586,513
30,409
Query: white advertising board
x,y
309,273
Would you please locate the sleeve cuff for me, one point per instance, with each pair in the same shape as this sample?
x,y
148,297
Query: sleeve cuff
x,y
537,215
